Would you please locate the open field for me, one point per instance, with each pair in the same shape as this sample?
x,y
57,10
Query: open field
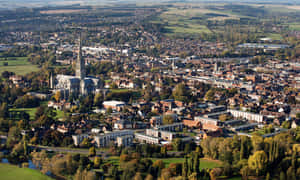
x,y
10,172
32,111
294,27
204,163
193,19
114,160
18,65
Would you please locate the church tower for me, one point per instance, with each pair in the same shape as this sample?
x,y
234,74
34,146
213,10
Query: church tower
x,y
80,69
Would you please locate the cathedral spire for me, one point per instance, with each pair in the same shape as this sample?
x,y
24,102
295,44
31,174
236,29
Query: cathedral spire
x,y
80,69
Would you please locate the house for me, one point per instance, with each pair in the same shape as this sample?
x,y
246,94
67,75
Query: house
x,y
191,123
247,115
209,123
123,124
116,105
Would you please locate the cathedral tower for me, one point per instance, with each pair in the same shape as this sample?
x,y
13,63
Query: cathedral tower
x,y
80,69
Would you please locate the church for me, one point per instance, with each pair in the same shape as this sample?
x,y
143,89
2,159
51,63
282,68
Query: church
x,y
78,85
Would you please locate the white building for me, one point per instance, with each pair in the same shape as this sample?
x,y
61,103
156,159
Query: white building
x,y
247,115
103,140
113,104
125,140
143,138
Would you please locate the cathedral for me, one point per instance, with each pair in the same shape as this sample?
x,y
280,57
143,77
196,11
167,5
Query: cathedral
x,y
78,85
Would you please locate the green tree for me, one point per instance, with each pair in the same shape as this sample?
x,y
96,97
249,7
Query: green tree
x,y
97,162
257,143
177,144
92,151
4,111
181,93
210,94
185,168
168,119
258,162
282,176
57,96
98,99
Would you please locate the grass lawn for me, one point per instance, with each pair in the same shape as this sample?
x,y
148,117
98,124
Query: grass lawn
x,y
114,160
204,163
32,111
18,65
120,90
294,27
11,172
274,36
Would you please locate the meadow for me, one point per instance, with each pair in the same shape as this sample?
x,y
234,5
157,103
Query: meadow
x,y
204,163
18,65
32,111
11,172
194,19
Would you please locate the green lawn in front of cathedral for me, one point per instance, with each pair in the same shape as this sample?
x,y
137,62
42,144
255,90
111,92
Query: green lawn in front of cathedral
x,y
18,65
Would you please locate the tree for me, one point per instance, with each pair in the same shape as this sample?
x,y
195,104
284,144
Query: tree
x,y
109,110
268,176
176,168
4,111
138,176
184,171
98,99
258,162
163,151
196,164
57,96
210,94
282,176
92,152
298,115
159,163
85,143
257,143
97,162
177,144
181,93
149,177
168,119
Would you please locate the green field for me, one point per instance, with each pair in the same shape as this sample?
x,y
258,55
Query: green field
x,y
10,172
294,27
120,90
114,160
18,65
204,163
32,111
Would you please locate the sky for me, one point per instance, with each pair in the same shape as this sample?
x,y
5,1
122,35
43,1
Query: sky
x,y
11,4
